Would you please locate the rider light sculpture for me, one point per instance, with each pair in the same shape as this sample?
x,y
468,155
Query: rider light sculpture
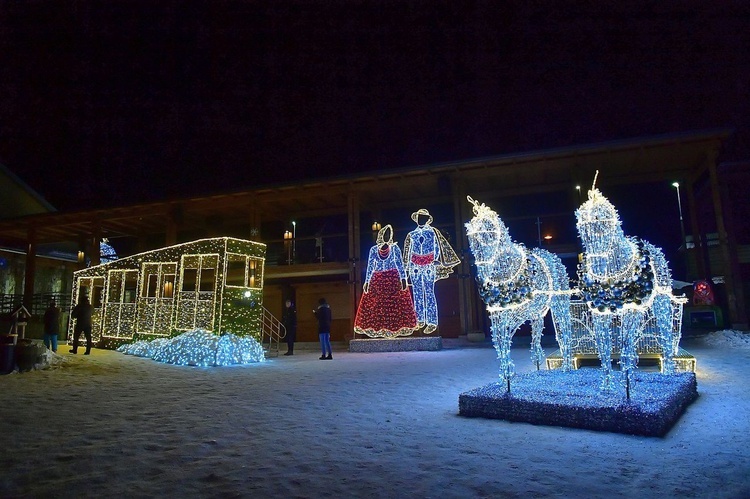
x,y
518,286
427,258
625,281
386,308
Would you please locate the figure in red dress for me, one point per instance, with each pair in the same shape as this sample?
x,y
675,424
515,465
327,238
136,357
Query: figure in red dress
x,y
386,309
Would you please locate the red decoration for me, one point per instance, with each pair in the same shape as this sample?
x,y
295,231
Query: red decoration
x,y
386,309
703,294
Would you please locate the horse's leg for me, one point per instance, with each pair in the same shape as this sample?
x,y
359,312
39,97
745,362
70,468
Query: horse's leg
x,y
603,336
631,324
560,308
662,308
537,354
501,338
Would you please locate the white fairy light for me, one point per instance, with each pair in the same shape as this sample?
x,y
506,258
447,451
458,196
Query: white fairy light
x,y
199,348
386,309
427,258
518,286
625,281
214,284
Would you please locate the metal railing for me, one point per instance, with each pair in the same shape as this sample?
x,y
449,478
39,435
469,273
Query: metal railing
x,y
39,303
273,331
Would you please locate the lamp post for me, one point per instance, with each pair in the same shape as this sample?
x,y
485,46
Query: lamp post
x,y
578,188
676,185
288,242
294,241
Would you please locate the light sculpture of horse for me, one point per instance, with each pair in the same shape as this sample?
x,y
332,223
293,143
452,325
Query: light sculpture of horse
x,y
625,281
518,286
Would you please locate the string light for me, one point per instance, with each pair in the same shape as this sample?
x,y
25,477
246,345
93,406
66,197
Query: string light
x,y
518,286
427,258
199,348
106,251
386,309
626,283
212,284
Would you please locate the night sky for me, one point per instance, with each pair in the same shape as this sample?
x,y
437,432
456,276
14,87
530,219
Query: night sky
x,y
99,99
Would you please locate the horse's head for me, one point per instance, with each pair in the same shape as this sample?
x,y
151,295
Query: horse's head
x,y
486,233
598,224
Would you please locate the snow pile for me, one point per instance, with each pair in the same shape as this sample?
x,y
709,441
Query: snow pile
x,y
729,338
199,348
51,359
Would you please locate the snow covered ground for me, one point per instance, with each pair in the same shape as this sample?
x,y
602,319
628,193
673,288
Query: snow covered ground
x,y
362,425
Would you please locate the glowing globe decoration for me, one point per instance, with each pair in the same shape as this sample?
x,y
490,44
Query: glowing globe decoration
x,y
106,252
428,257
386,309
518,286
626,283
199,348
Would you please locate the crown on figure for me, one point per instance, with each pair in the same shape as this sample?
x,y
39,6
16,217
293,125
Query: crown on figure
x,y
597,207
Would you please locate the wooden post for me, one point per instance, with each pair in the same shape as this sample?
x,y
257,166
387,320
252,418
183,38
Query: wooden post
x,y
30,270
735,300
465,297
355,279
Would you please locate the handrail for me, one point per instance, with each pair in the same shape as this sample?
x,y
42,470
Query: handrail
x,y
39,302
273,331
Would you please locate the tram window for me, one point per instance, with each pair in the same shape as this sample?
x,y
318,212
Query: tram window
x,y
115,287
168,291
208,279
151,287
131,285
236,270
96,299
189,278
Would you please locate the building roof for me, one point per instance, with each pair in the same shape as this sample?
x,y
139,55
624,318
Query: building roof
x,y
18,198
682,156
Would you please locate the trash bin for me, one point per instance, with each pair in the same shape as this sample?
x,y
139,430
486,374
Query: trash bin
x,y
7,353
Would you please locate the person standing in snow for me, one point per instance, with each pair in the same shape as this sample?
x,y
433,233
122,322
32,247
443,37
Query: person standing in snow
x,y
323,314
51,325
289,319
82,314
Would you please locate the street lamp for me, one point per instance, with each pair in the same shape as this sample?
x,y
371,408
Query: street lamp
x,y
676,185
578,188
375,230
288,242
294,240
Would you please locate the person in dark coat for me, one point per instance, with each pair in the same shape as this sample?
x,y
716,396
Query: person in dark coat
x,y
82,314
51,325
289,319
323,314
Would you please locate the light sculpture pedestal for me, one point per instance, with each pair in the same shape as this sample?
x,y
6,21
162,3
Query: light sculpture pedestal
x,y
429,343
573,399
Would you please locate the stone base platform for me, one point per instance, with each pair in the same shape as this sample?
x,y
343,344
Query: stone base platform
x,y
370,345
573,399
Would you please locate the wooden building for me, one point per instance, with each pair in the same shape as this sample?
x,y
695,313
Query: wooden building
x,y
318,232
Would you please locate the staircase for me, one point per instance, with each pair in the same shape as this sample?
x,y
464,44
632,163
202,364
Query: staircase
x,y
272,331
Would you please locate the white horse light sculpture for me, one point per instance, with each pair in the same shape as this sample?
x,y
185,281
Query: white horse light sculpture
x,y
518,285
625,281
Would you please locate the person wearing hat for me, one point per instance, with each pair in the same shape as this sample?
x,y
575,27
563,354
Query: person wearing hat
x,y
427,258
